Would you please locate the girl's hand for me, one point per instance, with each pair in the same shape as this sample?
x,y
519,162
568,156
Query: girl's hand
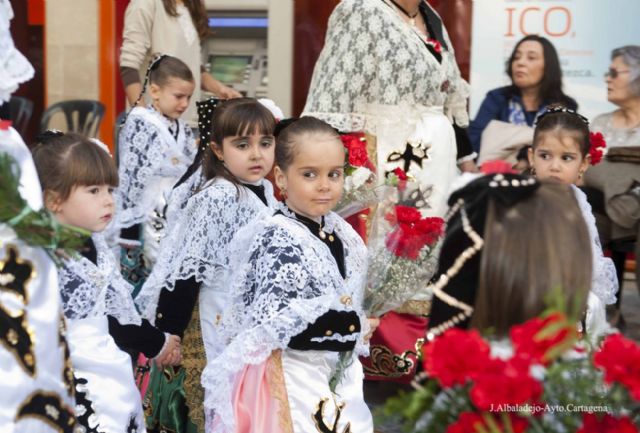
x,y
373,325
170,354
225,92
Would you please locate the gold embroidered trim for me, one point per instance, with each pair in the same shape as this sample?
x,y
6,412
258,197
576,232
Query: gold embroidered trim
x,y
385,363
275,378
415,307
194,360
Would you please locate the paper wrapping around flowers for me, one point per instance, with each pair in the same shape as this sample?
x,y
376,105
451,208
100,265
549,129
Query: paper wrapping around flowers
x,y
403,253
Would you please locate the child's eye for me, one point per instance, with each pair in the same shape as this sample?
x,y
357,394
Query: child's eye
x,y
267,143
309,174
111,190
242,145
336,174
568,158
94,190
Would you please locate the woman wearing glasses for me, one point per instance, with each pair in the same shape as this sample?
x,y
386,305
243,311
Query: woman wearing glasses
x,y
617,180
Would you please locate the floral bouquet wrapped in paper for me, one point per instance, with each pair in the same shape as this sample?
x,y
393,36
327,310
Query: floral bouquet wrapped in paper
x,y
541,379
403,248
360,190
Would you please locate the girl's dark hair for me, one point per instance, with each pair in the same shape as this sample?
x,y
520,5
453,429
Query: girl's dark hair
x,y
239,116
561,119
551,84
196,10
167,67
287,138
64,161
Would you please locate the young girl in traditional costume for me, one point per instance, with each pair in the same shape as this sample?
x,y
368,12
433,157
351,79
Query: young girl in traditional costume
x,y
194,255
561,152
78,178
296,279
155,149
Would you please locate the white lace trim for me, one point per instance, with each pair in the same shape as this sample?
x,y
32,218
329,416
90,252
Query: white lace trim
x,y
371,56
604,282
199,238
89,290
15,69
282,279
151,162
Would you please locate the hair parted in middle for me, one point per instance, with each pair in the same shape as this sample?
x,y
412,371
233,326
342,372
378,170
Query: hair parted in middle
x,y
288,137
561,120
240,116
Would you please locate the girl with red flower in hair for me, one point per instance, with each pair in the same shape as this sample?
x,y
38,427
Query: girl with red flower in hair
x,y
562,150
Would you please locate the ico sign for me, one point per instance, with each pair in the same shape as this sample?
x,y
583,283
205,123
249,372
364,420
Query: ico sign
x,y
553,21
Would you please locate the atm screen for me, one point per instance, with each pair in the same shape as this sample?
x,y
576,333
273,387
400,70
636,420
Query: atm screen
x,y
229,69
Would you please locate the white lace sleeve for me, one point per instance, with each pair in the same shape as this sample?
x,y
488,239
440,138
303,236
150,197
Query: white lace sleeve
x,y
282,283
604,282
141,152
90,290
197,243
15,69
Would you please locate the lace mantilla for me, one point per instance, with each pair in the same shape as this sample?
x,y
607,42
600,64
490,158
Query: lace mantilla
x,y
88,290
282,279
604,282
197,243
371,56
151,162
14,67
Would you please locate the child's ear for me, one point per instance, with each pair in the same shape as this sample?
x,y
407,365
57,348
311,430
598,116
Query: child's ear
x,y
530,156
584,166
154,91
52,201
217,150
280,178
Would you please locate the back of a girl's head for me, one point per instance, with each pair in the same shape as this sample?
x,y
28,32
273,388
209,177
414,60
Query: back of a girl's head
x,y
291,136
166,67
539,245
240,116
562,121
64,161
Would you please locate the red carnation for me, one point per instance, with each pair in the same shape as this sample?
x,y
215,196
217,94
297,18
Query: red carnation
x,y
606,424
497,166
528,343
455,356
400,173
504,383
619,357
596,147
356,146
471,422
412,232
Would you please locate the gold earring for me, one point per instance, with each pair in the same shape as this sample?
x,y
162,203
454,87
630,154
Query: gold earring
x,y
532,171
580,174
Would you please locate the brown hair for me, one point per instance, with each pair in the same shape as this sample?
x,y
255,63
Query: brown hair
x,y
196,10
288,137
65,161
558,119
539,245
235,117
165,67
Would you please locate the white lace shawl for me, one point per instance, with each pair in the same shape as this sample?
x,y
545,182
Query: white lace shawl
x,y
282,279
604,282
151,161
14,67
180,195
372,57
199,238
95,290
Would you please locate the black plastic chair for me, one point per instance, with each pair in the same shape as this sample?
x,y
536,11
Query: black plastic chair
x,y
21,111
82,115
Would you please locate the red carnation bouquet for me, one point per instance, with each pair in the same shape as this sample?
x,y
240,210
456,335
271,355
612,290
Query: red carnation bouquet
x,y
403,248
540,379
597,146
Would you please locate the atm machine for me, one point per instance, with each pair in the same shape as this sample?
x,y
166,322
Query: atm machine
x,y
237,53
